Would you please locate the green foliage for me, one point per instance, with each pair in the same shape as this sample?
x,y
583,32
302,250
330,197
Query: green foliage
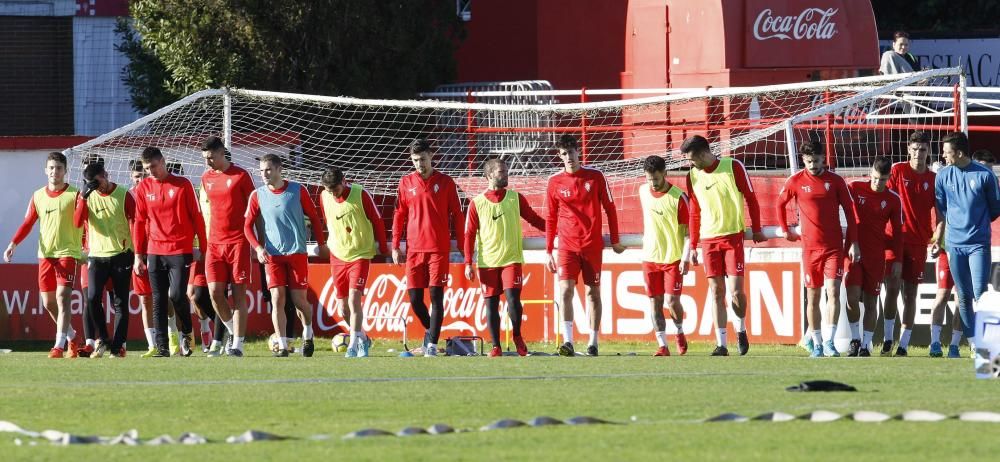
x,y
144,75
389,49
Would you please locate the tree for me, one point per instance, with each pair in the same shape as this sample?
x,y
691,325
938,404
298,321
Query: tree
x,y
362,48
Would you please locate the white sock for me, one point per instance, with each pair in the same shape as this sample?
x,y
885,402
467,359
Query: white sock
x,y
661,338
593,339
855,331
238,343
829,332
70,332
741,324
151,337
307,332
956,337
890,329
817,339
90,342
60,341
680,326
567,331
904,338
215,345
935,334
172,325
867,340
430,345
206,325
720,336
354,340
229,326
972,345
282,343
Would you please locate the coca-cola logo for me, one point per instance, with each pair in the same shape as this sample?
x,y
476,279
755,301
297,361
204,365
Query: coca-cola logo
x,y
810,24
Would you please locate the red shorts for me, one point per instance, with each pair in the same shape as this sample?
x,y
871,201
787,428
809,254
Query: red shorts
x,y
914,259
723,255
587,261
349,275
867,273
56,272
140,284
943,270
228,263
662,278
819,265
426,269
288,270
495,280
196,275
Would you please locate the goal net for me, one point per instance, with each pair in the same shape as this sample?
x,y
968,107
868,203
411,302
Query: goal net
x,y
761,126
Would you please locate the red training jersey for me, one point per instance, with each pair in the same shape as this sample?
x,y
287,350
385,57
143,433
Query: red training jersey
x,y
423,208
916,191
743,184
167,217
574,202
877,211
495,196
228,194
818,197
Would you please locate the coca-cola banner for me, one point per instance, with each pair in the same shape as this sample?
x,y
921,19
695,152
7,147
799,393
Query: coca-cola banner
x,y
820,33
773,293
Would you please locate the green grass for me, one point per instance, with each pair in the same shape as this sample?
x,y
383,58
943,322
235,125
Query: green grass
x,y
329,394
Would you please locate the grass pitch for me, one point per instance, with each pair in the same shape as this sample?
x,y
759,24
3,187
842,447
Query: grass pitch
x,y
661,401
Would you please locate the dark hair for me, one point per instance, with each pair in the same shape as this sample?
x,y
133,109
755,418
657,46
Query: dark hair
x,y
882,164
958,142
900,34
811,148
492,164
920,137
212,143
56,156
420,146
332,177
150,154
176,168
567,142
272,159
654,164
984,155
92,170
92,159
135,165
696,143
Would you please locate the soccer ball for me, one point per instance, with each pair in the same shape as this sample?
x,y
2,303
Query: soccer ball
x,y
339,343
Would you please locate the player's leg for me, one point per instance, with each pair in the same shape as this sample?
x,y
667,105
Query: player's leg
x,y
870,299
298,283
909,293
159,281
979,266
493,322
201,299
278,318
714,260
814,318
654,278
942,275
832,288
98,274
958,257
417,280
735,266
437,269
568,269
889,307
121,279
179,272
515,311
854,315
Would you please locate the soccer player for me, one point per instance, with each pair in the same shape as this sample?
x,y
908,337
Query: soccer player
x,y
140,280
968,198
425,201
820,194
876,206
284,206
913,181
718,187
167,221
574,199
665,249
227,188
59,249
108,212
355,226
493,224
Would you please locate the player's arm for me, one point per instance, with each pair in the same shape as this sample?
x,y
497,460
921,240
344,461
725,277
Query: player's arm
x,y
683,217
992,191
694,222
851,216
608,204
745,186
529,214
399,216
896,223
471,229
378,224
551,221
30,217
140,231
314,220
457,218
197,220
784,197
249,224
81,213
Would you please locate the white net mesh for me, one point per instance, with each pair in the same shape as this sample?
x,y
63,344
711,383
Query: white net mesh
x,y
368,138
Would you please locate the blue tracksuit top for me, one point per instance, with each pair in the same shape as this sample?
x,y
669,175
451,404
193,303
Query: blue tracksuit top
x,y
969,200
